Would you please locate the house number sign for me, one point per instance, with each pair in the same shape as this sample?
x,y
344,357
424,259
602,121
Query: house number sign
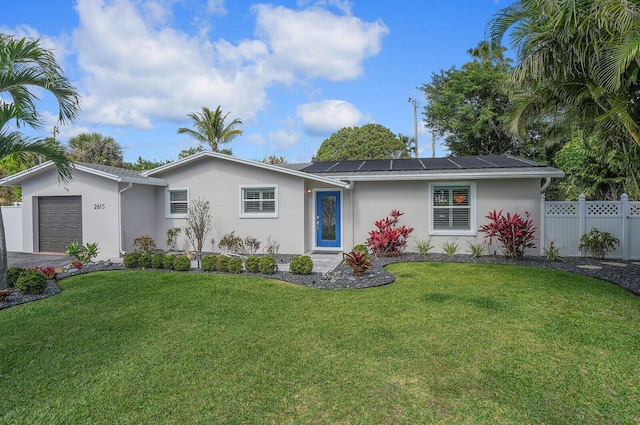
x,y
99,206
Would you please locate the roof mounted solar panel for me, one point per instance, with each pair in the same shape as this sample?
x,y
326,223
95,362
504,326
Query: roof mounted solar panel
x,y
438,164
406,164
509,161
376,165
346,166
469,162
320,167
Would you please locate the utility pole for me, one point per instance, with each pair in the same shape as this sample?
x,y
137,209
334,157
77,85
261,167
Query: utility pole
x,y
415,125
433,143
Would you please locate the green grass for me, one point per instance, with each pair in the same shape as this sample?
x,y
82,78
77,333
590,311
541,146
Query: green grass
x,y
446,343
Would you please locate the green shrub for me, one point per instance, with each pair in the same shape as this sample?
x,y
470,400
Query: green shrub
x,y
222,263
144,244
252,264
208,263
552,252
168,262
145,261
231,243
598,243
303,264
157,260
235,265
477,249
268,265
450,248
13,274
31,282
424,245
362,248
182,263
131,260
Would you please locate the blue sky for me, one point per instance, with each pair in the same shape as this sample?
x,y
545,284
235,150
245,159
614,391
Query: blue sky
x,y
293,71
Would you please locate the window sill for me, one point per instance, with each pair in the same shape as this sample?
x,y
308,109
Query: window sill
x,y
452,233
258,215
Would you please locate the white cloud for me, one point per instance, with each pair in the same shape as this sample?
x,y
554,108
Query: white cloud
x,y
137,68
317,43
216,7
327,116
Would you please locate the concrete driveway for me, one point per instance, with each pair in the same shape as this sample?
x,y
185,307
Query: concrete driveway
x,y
21,259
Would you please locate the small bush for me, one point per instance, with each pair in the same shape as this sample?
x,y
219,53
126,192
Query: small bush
x,y
32,282
208,263
13,274
252,264
222,263
477,249
76,264
272,246
145,261
514,233
251,244
359,262
182,263
450,248
301,265
424,245
49,272
235,265
131,260
144,244
231,243
268,265
157,260
389,239
598,243
4,294
167,263
361,248
552,252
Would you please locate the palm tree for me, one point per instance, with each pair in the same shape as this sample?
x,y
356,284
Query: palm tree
x,y
577,64
25,66
95,148
210,128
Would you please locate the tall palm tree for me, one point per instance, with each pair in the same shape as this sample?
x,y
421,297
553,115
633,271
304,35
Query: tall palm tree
x,y
25,68
210,128
578,63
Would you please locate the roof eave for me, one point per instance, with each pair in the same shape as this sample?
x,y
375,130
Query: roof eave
x,y
529,174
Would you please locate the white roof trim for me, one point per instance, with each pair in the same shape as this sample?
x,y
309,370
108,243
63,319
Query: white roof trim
x,y
16,179
321,179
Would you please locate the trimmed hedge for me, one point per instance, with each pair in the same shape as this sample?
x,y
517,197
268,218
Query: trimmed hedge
x,y
208,263
13,274
157,260
252,264
235,265
301,265
268,265
182,263
31,282
167,263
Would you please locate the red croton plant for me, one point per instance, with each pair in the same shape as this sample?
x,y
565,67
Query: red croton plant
x,y
514,233
390,239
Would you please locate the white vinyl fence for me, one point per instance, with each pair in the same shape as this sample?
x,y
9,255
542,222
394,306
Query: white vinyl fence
x,y
565,222
12,220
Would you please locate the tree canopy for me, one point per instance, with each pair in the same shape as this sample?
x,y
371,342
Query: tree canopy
x,y
468,107
211,129
371,141
26,69
95,148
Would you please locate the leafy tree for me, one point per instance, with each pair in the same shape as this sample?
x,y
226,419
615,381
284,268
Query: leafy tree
x,y
144,164
371,141
274,160
95,148
211,129
468,107
595,176
409,143
26,68
578,64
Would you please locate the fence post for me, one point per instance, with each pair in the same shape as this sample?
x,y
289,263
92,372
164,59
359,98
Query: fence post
x,y
583,218
624,240
543,219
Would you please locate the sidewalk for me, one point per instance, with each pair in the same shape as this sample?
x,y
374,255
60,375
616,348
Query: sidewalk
x,y
322,262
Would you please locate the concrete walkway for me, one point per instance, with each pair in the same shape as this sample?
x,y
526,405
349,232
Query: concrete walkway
x,y
322,262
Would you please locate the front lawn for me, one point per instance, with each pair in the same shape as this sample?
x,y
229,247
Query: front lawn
x,y
446,343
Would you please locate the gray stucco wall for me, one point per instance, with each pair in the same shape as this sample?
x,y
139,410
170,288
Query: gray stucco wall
x,y
99,208
139,214
374,200
219,182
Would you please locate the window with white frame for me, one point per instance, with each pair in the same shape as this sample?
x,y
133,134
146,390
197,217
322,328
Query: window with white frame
x,y
177,202
452,209
259,201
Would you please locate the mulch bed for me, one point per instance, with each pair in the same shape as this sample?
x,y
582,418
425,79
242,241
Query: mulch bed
x,y
625,274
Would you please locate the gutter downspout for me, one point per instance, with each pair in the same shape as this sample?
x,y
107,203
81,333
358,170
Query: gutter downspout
x,y
545,185
120,192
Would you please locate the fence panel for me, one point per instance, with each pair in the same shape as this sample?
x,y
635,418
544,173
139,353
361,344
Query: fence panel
x,y
565,222
12,220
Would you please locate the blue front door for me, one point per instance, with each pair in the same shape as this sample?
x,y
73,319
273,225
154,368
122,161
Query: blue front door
x,y
328,219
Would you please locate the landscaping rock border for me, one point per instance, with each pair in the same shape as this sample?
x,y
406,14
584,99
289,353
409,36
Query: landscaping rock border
x,y
625,274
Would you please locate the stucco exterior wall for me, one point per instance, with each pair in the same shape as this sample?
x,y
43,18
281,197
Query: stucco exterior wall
x,y
374,200
12,220
219,182
139,214
99,208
